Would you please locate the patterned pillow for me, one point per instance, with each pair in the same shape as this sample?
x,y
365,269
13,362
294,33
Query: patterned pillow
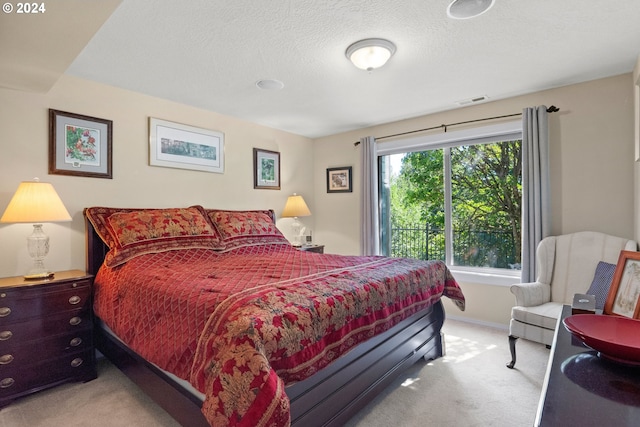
x,y
601,283
133,232
246,228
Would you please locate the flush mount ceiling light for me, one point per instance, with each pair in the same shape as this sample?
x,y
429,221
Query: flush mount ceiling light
x,y
465,9
370,54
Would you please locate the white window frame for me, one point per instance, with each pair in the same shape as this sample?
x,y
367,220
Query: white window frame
x,y
506,131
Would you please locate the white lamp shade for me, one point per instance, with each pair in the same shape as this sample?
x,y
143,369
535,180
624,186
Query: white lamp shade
x,y
370,54
295,207
35,202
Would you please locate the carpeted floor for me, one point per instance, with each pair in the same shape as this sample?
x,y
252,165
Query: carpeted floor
x,y
468,387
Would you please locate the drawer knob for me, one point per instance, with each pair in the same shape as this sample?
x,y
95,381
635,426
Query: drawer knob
x,y
76,362
74,321
74,300
75,342
6,359
7,382
5,335
5,311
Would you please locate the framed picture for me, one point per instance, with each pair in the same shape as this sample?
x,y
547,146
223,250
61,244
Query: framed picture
x,y
79,145
174,145
339,180
266,169
624,292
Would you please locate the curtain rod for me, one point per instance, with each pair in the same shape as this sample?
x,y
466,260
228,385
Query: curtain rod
x,y
551,109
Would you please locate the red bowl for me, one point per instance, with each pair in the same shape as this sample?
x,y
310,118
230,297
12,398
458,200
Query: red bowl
x,y
614,337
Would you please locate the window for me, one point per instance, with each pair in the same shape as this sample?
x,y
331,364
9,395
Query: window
x,y
457,200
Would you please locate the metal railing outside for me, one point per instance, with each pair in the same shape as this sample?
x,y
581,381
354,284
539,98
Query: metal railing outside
x,y
473,248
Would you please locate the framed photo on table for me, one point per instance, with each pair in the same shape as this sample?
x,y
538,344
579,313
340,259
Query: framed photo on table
x,y
339,180
266,169
79,145
624,292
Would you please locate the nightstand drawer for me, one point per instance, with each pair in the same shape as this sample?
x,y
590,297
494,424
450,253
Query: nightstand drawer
x,y
65,323
20,354
78,366
17,304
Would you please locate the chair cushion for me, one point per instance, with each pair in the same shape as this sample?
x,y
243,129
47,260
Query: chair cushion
x,y
544,316
601,283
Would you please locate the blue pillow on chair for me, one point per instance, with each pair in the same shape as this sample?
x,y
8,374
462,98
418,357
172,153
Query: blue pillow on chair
x,y
601,283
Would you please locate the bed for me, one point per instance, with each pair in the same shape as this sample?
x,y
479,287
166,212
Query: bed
x,y
222,322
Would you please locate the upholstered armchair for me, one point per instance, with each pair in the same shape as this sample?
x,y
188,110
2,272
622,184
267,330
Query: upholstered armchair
x,y
566,266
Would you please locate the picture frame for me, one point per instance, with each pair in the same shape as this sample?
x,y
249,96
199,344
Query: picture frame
x,y
180,146
339,180
80,145
266,169
624,294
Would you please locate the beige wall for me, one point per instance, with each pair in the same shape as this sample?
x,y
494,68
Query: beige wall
x,y
592,168
24,141
592,172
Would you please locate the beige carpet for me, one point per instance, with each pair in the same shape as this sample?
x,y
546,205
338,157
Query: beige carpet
x,y
469,387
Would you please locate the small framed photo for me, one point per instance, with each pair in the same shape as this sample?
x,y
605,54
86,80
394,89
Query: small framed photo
x,y
339,180
174,145
79,145
624,292
266,169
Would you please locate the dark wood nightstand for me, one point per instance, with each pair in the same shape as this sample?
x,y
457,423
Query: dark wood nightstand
x,y
46,333
311,248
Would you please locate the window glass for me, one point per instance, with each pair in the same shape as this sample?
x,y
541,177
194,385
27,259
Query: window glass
x,y
460,204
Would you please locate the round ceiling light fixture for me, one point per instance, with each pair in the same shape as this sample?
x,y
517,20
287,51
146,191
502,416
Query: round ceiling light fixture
x,y
465,9
370,54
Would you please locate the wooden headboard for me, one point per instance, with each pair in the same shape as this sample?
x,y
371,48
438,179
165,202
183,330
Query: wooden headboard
x,y
97,250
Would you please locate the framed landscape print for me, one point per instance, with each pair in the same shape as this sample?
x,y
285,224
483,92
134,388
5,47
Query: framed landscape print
x,y
266,169
339,180
79,145
174,145
624,292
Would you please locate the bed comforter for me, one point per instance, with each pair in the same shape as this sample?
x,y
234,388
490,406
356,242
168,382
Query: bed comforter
x,y
242,324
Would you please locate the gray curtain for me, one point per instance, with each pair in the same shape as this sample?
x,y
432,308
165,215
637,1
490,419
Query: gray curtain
x,y
369,242
536,213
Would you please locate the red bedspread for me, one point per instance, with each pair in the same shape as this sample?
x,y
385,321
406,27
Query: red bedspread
x,y
240,325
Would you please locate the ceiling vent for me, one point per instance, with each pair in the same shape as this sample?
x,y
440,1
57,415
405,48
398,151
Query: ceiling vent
x,y
475,100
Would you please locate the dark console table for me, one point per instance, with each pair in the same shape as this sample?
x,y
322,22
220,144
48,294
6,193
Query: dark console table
x,y
582,389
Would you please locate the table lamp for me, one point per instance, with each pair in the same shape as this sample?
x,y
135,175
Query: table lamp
x,y
294,208
36,202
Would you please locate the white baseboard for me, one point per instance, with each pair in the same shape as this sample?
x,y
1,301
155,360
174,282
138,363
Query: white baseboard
x,y
479,322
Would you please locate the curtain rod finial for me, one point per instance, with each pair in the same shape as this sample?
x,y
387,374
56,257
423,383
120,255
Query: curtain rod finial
x,y
552,109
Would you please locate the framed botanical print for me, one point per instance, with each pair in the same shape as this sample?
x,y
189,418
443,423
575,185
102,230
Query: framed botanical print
x,y
266,169
79,145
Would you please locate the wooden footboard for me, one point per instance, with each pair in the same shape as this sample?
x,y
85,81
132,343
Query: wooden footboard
x,y
329,398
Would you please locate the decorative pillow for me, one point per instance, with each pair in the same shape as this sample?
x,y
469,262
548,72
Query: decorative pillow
x,y
601,283
246,228
133,232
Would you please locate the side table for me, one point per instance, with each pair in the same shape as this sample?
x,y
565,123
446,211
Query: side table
x,y
46,333
582,389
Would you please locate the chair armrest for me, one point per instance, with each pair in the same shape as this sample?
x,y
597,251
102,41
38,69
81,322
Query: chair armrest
x,y
531,294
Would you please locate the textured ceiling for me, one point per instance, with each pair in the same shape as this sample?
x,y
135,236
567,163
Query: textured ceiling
x,y
210,54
